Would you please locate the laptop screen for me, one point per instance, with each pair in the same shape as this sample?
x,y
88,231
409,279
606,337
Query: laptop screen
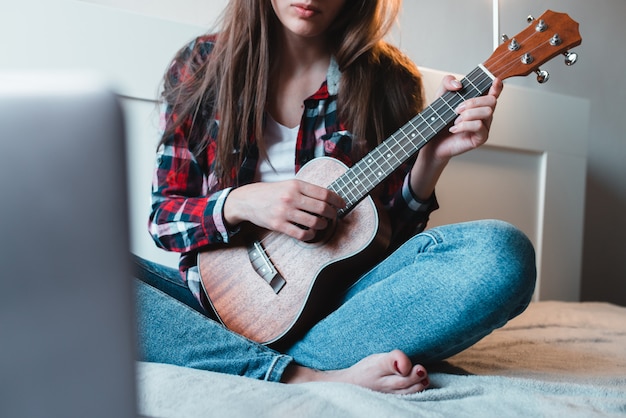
x,y
66,302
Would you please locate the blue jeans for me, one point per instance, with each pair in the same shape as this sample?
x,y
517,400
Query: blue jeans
x,y
438,294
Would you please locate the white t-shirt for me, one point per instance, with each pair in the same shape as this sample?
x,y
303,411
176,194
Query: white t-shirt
x,y
281,152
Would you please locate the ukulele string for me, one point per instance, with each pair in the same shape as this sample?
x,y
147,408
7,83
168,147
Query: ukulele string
x,y
443,108
278,246
355,183
516,58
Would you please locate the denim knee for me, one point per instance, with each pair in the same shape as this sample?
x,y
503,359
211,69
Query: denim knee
x,y
513,262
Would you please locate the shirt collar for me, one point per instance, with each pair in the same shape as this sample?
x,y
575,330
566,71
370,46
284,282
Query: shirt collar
x,y
332,77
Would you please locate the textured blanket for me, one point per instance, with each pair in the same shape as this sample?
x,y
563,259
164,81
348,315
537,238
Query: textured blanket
x,y
556,359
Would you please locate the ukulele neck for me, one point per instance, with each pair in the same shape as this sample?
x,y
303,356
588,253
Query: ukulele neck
x,y
375,167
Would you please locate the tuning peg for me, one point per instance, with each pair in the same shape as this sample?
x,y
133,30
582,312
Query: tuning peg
x,y
541,26
530,19
514,45
542,76
504,37
570,58
527,59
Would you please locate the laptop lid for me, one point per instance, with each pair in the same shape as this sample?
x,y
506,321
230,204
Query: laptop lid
x,y
66,301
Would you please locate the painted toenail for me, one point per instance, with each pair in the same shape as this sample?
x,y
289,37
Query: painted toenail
x,y
395,366
421,373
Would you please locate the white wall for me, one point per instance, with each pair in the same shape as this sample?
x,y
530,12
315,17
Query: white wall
x,y
201,13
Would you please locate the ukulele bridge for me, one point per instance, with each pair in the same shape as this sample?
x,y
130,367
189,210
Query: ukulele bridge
x,y
263,266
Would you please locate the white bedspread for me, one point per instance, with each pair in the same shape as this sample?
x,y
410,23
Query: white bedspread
x,y
556,359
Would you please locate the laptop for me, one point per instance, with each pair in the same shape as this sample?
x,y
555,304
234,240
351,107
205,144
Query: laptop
x,y
67,344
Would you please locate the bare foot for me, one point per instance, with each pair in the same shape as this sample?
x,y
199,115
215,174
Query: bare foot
x,y
390,372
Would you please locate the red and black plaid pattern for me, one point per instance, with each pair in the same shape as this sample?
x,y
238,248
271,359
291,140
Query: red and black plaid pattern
x,y
187,203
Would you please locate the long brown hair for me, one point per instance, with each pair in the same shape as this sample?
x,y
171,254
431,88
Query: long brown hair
x,y
380,87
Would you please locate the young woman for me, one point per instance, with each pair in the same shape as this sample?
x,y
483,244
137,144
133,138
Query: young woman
x,y
281,83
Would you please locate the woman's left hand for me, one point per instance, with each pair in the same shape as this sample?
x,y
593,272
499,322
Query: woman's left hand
x,y
471,128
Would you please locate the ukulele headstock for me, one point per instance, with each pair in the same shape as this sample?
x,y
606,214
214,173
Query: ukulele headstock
x,y
550,35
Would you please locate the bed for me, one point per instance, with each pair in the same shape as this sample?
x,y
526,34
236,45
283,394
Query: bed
x,y
556,359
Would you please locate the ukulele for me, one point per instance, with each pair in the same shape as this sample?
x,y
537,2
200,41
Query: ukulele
x,y
271,288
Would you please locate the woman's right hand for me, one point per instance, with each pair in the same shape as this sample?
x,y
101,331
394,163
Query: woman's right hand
x,y
293,207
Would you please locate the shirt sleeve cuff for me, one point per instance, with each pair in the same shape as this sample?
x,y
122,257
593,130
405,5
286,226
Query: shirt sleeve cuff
x,y
413,202
218,217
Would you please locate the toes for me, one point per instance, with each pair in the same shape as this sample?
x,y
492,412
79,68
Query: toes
x,y
420,371
416,380
409,378
402,364
422,383
419,387
413,388
422,374
420,378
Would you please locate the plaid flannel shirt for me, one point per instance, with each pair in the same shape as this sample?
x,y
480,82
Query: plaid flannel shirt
x,y
187,204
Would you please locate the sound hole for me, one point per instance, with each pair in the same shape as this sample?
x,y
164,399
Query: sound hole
x,y
323,236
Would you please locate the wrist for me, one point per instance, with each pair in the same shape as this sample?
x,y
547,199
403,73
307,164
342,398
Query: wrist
x,y
230,211
424,176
